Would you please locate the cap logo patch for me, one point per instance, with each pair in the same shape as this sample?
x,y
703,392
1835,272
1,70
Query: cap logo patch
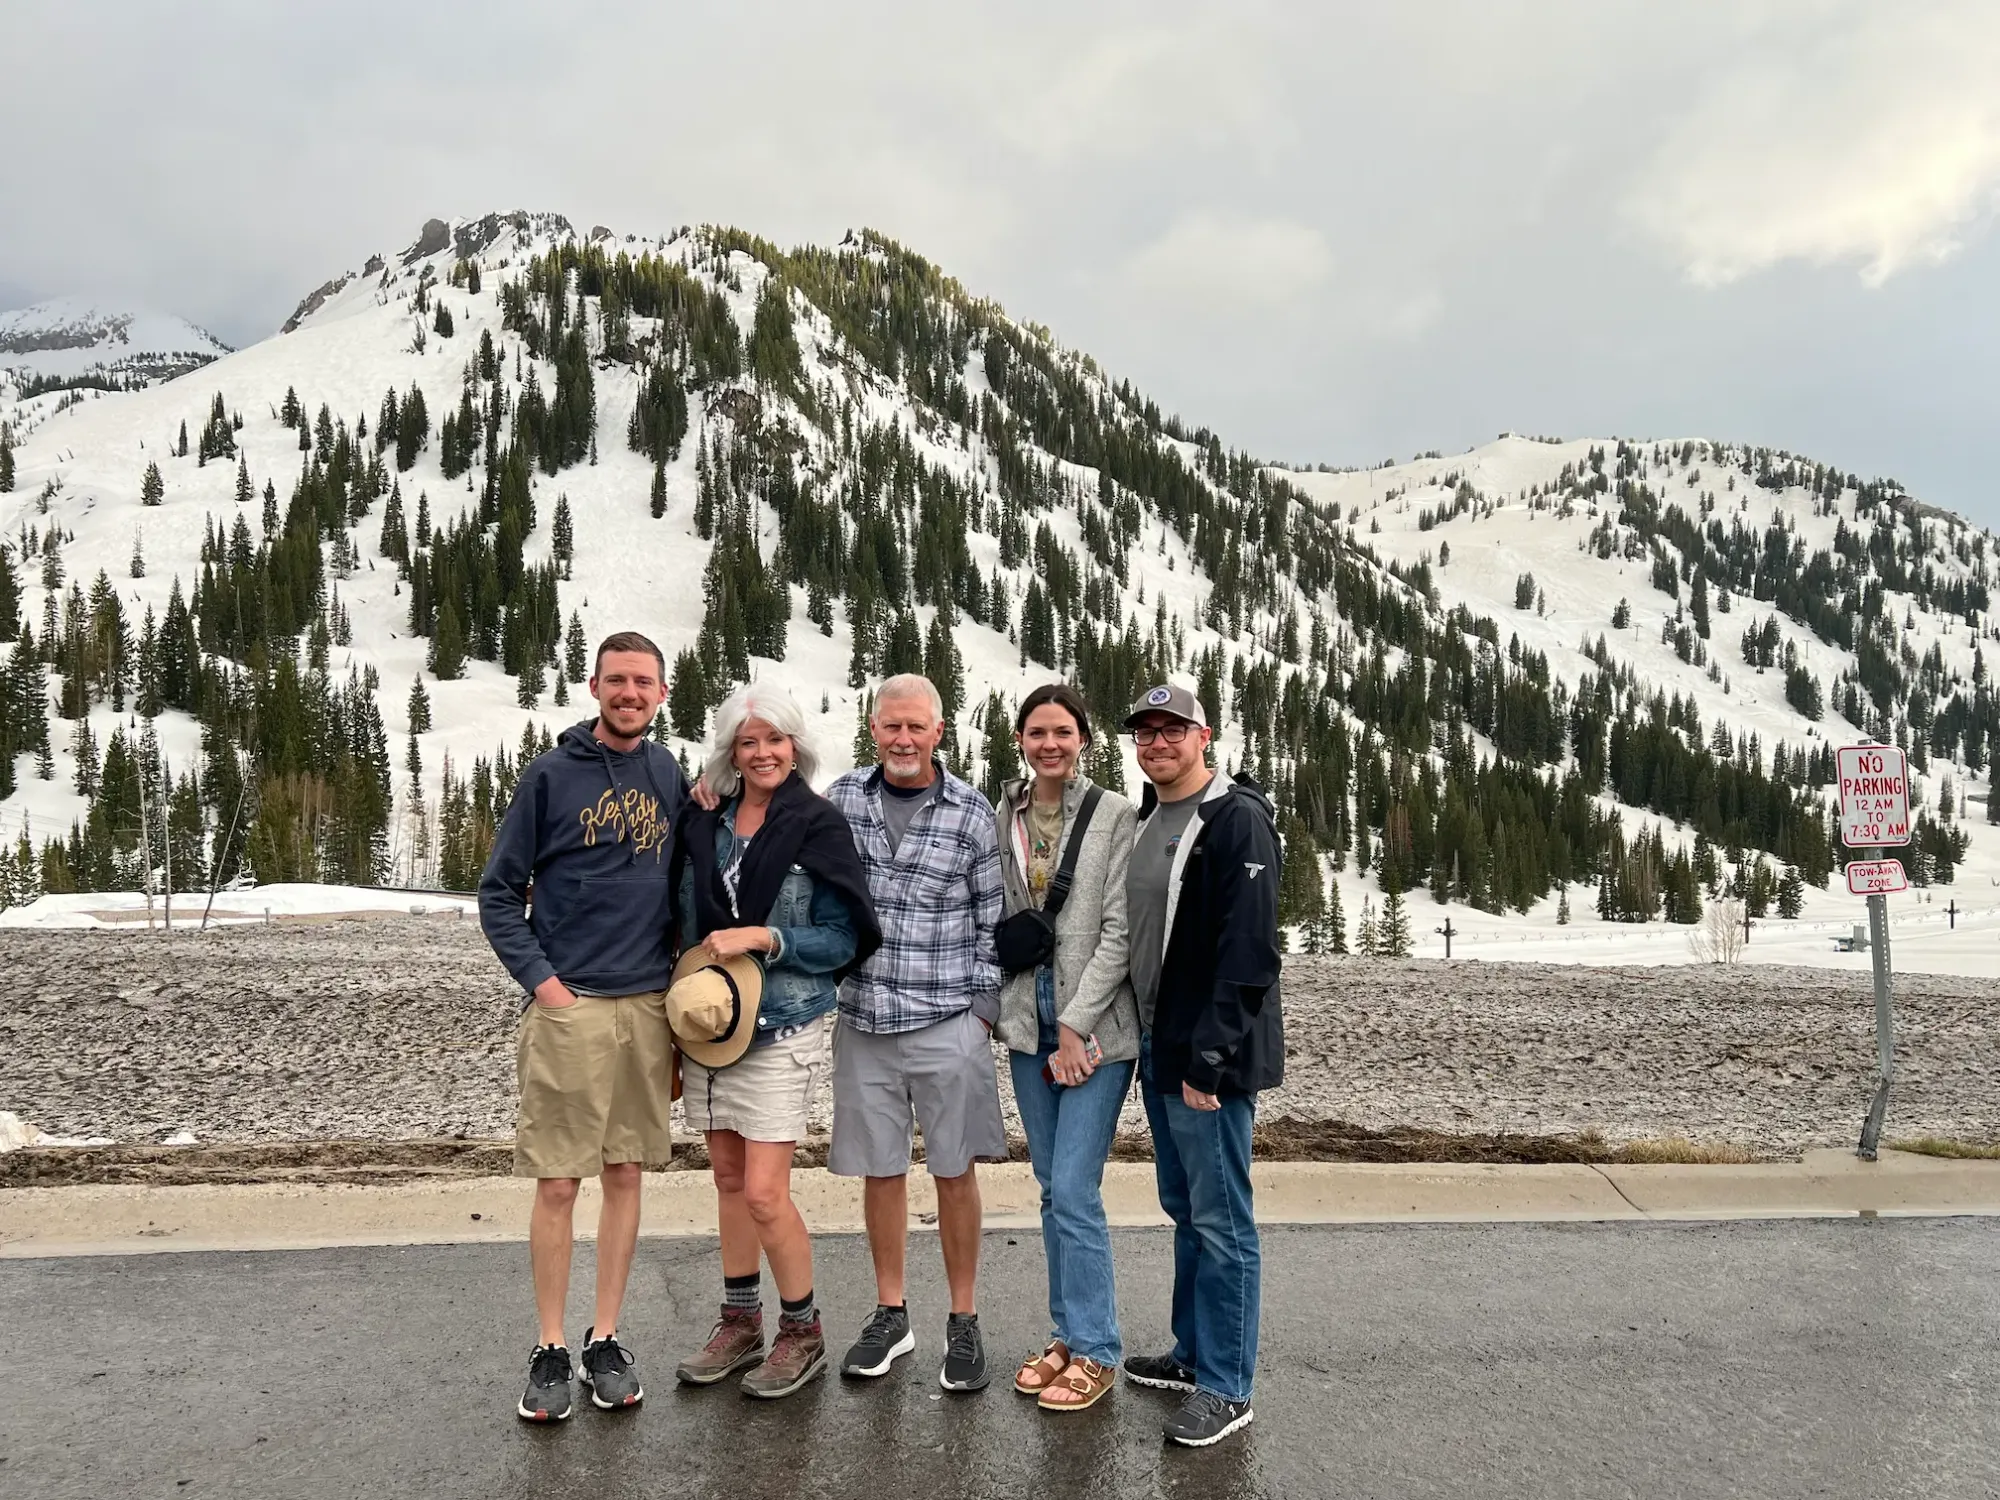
x,y
1159,695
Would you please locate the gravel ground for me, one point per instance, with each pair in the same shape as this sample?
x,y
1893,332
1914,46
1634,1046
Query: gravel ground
x,y
402,1028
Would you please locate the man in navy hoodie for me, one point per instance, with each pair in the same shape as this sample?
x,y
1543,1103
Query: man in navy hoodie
x,y
588,832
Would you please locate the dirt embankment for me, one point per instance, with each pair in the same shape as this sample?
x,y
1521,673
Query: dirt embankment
x,y
359,1050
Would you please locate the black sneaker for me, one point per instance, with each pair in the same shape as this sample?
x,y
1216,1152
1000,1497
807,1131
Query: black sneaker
x,y
611,1372
1162,1372
1206,1418
547,1398
886,1339
964,1355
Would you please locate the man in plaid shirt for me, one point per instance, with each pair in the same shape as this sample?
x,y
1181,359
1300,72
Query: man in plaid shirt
x,y
912,1041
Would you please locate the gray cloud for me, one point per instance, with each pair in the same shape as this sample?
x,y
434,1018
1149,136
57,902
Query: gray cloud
x,y
1339,232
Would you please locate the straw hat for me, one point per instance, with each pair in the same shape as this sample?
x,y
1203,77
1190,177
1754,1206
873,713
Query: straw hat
x,y
712,1005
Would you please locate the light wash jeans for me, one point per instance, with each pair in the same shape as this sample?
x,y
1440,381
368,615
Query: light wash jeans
x,y
1202,1161
1069,1136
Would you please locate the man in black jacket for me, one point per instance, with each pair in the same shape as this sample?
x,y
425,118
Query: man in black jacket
x,y
1202,906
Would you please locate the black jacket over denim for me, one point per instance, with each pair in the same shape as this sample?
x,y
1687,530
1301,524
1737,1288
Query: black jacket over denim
x,y
1217,1021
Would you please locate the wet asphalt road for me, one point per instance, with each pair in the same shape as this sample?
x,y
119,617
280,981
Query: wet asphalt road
x,y
1848,1357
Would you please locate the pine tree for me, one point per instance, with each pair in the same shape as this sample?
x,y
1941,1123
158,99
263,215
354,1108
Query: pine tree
x,y
1392,933
413,428
1001,756
561,698
6,461
245,491
152,488
576,650
1562,908
83,747
659,489
395,539
10,596
562,535
943,664
1791,894
181,447
447,661
270,508
863,744
687,697
531,680
419,712
1301,882
138,555
1364,933
1335,921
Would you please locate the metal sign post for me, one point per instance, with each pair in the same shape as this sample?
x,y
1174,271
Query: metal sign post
x,y
1885,1036
1875,815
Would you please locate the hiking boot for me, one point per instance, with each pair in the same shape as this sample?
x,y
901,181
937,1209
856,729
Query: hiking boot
x,y
798,1355
1162,1372
886,1339
547,1398
736,1341
1206,1418
964,1355
611,1372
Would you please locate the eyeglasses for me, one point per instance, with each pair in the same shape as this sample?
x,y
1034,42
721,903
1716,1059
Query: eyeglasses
x,y
1173,734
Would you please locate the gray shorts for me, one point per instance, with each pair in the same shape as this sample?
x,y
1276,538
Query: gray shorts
x,y
941,1076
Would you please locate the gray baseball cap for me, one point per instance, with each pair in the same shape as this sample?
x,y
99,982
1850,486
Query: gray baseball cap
x,y
1168,699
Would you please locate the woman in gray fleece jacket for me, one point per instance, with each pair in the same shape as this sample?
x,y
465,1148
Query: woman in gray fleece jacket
x,y
1071,1028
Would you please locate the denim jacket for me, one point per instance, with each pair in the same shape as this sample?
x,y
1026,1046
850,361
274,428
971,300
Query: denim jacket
x,y
815,938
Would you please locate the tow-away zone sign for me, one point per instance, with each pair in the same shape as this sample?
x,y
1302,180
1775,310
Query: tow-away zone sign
x,y
1875,877
1874,796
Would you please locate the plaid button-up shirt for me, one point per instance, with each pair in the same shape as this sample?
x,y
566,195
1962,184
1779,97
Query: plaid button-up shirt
x,y
937,897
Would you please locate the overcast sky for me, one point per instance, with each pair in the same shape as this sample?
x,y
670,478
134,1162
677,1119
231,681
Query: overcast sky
x,y
1332,232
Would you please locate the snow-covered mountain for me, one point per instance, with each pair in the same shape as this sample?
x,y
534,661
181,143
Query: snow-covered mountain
x,y
69,337
1509,675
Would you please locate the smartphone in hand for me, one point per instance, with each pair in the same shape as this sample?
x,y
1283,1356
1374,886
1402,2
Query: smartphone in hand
x,y
1093,1054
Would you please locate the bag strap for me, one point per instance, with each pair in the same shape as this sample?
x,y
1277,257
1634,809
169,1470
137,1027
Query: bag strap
x,y
1052,904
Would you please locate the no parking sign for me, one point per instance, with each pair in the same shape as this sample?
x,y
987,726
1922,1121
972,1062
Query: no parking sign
x,y
1875,814
1874,797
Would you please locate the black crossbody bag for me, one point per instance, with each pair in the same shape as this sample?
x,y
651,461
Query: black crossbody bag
x,y
1027,939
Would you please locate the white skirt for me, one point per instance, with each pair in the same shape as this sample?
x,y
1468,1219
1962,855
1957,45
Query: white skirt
x,y
764,1096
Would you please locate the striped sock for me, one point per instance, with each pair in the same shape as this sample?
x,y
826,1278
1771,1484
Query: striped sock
x,y
801,1311
741,1294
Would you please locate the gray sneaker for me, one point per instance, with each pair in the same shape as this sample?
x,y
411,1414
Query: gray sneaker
x,y
1206,1418
611,1372
1160,1371
885,1339
736,1341
547,1398
964,1367
798,1355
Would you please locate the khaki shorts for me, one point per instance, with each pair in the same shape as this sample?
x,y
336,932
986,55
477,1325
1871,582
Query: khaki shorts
x,y
595,1085
767,1095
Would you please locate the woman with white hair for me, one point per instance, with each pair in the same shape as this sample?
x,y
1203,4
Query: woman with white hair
x,y
772,871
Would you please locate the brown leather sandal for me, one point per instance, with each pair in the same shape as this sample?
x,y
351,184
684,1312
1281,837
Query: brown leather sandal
x,y
1041,1372
1083,1383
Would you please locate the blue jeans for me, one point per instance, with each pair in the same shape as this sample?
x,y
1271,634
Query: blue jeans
x,y
1069,1136
1202,1161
